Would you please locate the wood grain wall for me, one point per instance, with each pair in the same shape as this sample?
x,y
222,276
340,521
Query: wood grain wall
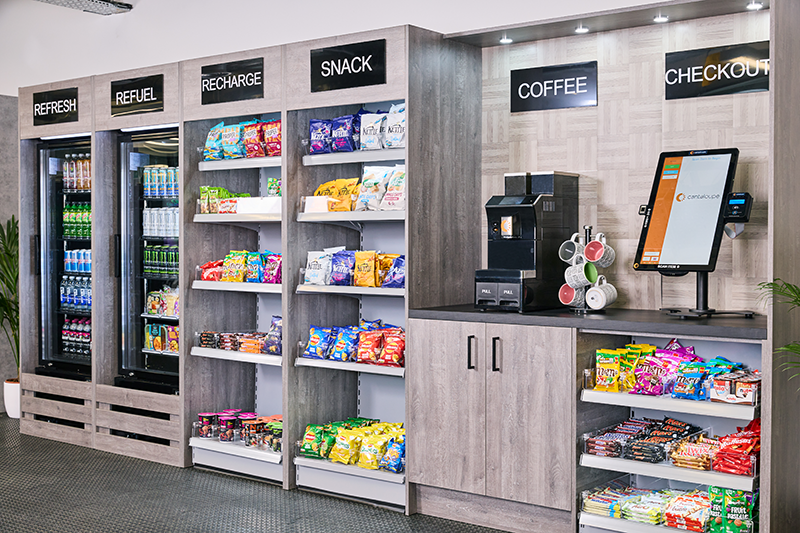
x,y
615,146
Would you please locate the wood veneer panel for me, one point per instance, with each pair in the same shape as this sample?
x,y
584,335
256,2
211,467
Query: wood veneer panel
x,y
56,409
45,430
85,121
61,387
169,455
151,401
29,281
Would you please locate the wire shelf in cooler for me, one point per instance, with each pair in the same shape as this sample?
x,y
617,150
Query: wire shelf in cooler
x,y
168,318
160,198
75,312
71,192
160,352
75,239
160,277
174,239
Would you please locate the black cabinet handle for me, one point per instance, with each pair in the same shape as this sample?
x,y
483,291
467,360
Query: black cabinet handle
x,y
117,256
495,368
470,366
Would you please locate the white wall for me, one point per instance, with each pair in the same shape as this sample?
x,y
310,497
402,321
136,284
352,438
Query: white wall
x,y
40,43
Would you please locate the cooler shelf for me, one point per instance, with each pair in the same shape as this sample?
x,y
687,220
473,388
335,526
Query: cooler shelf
x,y
162,317
673,405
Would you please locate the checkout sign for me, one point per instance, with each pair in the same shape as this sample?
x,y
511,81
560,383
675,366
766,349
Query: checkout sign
x,y
554,87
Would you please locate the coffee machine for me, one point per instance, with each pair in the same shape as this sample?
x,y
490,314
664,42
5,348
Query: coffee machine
x,y
538,212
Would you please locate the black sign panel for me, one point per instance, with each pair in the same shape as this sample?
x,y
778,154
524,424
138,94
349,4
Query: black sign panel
x,y
55,107
742,68
230,82
554,87
352,65
137,95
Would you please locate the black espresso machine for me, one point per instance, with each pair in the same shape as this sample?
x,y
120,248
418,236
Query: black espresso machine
x,y
538,212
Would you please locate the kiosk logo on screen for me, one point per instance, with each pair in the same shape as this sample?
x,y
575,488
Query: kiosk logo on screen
x,y
681,197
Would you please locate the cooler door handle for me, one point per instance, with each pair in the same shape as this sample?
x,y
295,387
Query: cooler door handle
x,y
495,368
470,366
37,261
117,255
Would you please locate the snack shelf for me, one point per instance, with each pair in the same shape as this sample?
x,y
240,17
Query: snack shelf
x,y
668,471
244,357
162,352
359,156
264,288
399,372
351,470
352,216
236,457
237,217
349,480
673,405
349,290
619,524
233,164
162,317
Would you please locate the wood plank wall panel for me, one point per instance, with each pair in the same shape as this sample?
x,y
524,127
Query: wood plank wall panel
x,y
615,146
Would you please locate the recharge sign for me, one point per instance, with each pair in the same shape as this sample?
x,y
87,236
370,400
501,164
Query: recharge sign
x,y
230,82
55,107
554,87
735,69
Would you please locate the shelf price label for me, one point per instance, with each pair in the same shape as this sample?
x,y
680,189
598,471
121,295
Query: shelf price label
x,y
55,107
137,95
348,66
554,87
231,82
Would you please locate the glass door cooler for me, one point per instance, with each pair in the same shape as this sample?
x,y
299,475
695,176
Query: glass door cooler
x,y
65,259
150,223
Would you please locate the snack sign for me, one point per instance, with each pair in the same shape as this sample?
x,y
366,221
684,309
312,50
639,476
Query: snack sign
x,y
554,87
352,65
55,107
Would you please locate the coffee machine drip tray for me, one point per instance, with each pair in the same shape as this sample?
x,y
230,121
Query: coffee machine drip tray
x,y
500,289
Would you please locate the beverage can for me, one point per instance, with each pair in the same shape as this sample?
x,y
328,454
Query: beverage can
x,y
146,182
146,221
88,255
162,182
172,185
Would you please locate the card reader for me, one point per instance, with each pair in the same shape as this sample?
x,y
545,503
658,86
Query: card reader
x,y
737,207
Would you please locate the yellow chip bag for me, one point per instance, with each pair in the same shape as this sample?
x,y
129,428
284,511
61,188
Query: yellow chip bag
x,y
385,262
365,271
340,193
347,446
372,449
607,378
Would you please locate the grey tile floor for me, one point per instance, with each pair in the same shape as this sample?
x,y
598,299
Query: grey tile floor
x,y
51,486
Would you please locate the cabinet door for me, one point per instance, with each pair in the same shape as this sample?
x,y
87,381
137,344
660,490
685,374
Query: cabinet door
x,y
530,414
445,404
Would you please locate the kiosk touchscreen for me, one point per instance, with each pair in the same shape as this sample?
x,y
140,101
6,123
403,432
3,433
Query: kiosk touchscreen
x,y
685,218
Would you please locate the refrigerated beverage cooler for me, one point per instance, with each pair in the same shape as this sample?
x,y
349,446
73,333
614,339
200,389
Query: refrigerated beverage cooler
x,y
65,259
149,222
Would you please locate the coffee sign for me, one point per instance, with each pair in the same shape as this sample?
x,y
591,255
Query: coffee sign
x,y
554,87
55,107
352,65
137,95
230,82
735,69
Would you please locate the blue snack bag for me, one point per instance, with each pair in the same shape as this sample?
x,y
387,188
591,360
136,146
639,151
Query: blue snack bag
x,y
213,148
320,134
342,267
319,340
369,325
346,345
342,134
396,277
394,458
332,341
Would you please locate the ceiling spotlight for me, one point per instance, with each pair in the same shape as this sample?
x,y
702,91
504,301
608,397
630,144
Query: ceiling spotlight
x,y
660,18
754,5
581,29
505,39
98,7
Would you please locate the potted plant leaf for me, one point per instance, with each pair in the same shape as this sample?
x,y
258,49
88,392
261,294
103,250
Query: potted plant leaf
x,y
9,307
785,293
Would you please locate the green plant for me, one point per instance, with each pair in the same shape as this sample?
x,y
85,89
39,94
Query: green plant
x,y
9,284
785,293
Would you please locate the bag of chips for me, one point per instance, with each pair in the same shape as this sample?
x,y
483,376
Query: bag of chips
x,y
203,199
372,449
365,269
395,136
369,325
394,347
170,299
370,344
213,148
272,268
373,127
346,344
357,128
342,267
346,448
272,343
373,187
253,140
232,146
395,197
255,268
320,135
394,457
312,441
342,134
396,277
340,192
212,271
318,268
272,138
319,340
384,265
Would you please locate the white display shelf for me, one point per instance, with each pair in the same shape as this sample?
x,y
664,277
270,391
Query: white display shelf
x,y
236,448
233,164
162,317
352,216
350,470
668,471
263,288
673,405
161,352
352,367
620,525
236,457
244,357
349,290
359,156
228,218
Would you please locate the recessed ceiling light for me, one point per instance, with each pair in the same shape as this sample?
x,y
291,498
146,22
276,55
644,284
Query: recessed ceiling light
x,y
754,5
581,29
660,18
505,40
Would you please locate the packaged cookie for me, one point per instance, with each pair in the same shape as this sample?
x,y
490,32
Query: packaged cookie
x,y
365,269
272,138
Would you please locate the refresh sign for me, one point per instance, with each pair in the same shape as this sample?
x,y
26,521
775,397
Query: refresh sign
x,y
554,87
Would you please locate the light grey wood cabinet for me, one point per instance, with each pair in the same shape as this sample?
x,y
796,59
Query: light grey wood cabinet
x,y
490,410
